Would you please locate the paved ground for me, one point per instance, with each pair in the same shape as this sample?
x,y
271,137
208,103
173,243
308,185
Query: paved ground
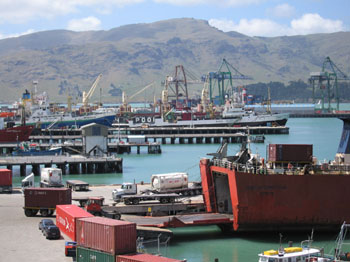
x,y
20,238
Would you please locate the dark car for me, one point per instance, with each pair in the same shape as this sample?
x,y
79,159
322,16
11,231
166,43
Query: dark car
x,y
52,232
70,248
45,223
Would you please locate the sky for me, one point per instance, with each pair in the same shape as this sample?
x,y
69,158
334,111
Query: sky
x,y
266,18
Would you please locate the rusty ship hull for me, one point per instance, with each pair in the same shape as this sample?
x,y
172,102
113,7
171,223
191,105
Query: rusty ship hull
x,y
276,202
289,193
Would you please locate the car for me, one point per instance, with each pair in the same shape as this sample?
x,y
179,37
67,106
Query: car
x,y
70,248
52,232
45,223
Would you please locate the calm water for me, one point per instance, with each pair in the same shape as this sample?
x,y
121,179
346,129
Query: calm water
x,y
323,133
204,244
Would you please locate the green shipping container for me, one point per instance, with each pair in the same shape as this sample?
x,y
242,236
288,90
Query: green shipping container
x,y
91,255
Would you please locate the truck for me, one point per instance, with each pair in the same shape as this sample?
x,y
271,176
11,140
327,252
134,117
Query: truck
x,y
5,180
176,183
95,206
44,200
51,177
28,181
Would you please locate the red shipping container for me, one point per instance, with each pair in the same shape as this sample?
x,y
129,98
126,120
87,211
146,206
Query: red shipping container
x,y
290,153
107,235
66,218
5,177
47,197
144,258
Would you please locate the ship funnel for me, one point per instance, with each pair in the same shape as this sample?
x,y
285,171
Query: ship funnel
x,y
343,153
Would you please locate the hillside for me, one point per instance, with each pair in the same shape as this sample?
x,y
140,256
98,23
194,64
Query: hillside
x,y
132,56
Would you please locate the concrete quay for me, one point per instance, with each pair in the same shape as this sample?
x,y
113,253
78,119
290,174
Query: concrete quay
x,y
20,238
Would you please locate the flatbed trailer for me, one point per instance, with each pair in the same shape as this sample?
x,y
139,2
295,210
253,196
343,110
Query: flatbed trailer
x,y
77,185
82,200
155,209
162,198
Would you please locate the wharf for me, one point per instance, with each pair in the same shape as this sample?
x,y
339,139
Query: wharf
x,y
253,130
181,135
76,164
320,115
44,142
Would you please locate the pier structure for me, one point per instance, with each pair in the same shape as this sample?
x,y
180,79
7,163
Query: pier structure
x,y
68,164
71,140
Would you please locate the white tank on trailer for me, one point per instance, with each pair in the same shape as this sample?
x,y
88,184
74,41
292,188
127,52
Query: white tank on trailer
x,y
169,181
51,177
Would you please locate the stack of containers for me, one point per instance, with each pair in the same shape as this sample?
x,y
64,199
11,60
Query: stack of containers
x,y
67,217
101,239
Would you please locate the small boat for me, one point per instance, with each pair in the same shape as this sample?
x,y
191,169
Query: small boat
x,y
304,253
307,253
25,149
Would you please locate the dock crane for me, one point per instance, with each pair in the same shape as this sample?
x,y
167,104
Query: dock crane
x,y
125,107
219,77
176,85
327,82
87,96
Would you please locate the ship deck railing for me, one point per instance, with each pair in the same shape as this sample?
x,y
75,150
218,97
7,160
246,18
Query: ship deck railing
x,y
329,169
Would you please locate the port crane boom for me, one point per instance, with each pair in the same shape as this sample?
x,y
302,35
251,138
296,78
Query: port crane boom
x,y
87,96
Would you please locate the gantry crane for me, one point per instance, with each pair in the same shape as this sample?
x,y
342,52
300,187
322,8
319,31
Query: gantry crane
x,y
176,85
327,82
219,77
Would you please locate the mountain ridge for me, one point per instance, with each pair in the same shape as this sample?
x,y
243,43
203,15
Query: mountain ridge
x,y
132,56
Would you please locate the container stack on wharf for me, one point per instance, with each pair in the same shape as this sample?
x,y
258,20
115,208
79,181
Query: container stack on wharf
x,y
109,240
289,192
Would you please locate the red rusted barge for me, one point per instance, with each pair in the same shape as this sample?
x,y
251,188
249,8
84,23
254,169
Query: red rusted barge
x,y
286,193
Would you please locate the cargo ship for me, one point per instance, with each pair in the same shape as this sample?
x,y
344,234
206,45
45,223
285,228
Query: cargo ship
x,y
14,134
289,191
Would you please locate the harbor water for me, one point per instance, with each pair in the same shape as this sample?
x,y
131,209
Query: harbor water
x,y
204,244
323,133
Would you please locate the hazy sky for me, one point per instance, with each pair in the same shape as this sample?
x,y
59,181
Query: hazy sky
x,y
249,17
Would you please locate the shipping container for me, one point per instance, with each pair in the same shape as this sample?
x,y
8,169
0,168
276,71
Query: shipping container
x,y
66,218
290,153
45,200
140,257
107,235
91,255
47,197
5,180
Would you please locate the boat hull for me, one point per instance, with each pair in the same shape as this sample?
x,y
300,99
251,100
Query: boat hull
x,y
276,202
35,152
15,134
78,122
